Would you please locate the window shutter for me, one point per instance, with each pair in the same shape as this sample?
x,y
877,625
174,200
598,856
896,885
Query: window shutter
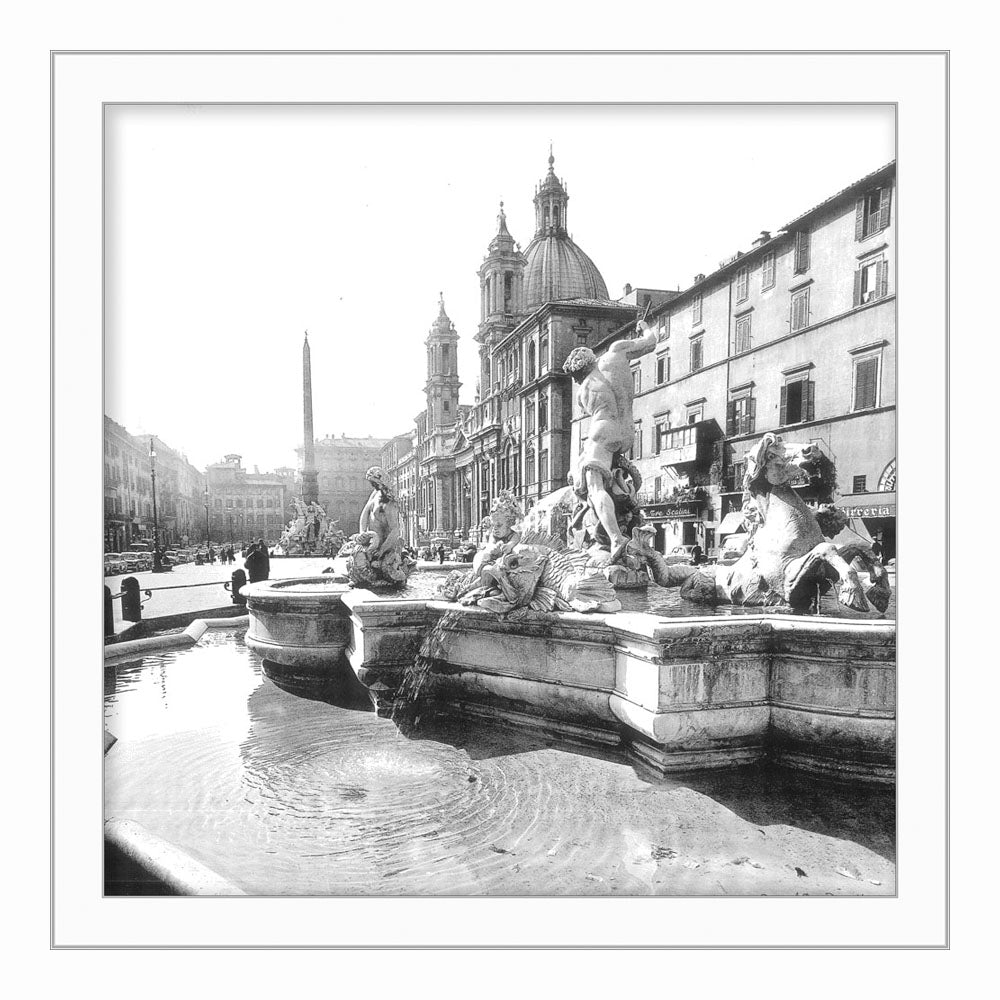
x,y
783,414
883,209
859,219
864,383
810,407
801,251
731,418
857,287
882,278
752,416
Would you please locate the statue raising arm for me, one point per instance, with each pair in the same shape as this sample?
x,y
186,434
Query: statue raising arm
x,y
639,346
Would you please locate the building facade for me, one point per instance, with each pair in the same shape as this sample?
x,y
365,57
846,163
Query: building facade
x,y
795,336
243,506
128,491
341,464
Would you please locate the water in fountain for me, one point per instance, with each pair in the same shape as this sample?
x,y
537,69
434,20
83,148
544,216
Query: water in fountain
x,y
406,704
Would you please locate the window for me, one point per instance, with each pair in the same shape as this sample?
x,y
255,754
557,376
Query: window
x,y
695,413
636,380
529,467
801,251
529,417
697,354
872,213
543,466
636,450
797,398
866,379
660,434
800,309
741,414
742,284
767,272
871,281
444,356
742,340
859,484
543,352
663,368
543,413
447,406
696,310
531,361
657,487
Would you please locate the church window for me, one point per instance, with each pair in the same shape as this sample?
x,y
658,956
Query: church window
x,y
508,291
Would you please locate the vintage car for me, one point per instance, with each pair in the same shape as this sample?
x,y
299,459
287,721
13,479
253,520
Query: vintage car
x,y
679,555
113,564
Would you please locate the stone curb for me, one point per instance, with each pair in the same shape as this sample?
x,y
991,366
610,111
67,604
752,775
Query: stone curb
x,y
166,866
132,648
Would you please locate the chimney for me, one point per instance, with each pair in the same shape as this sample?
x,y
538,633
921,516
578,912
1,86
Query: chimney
x,y
628,289
698,277
764,237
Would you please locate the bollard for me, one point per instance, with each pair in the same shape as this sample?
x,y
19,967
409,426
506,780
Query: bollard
x,y
109,614
239,580
131,602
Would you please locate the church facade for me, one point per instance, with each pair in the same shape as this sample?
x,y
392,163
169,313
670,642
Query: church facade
x,y
536,306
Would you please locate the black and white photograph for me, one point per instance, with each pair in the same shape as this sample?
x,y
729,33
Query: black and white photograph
x,y
499,502
500,543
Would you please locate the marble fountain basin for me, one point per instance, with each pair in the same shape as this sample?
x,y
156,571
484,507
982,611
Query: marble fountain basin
x,y
680,694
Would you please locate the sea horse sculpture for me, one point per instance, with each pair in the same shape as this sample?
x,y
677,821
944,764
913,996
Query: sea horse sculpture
x,y
373,558
789,557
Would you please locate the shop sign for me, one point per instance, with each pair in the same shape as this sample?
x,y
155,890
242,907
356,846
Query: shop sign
x,y
880,510
687,508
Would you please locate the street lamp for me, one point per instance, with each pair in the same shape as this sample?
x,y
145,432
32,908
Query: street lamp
x,y
157,566
207,532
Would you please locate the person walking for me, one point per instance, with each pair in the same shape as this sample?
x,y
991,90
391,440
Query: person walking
x,y
265,558
211,555
441,553
696,555
877,550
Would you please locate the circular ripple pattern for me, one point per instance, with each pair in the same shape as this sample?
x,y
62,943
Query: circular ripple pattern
x,y
288,796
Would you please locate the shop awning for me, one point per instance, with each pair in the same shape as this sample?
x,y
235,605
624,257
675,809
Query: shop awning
x,y
868,504
731,523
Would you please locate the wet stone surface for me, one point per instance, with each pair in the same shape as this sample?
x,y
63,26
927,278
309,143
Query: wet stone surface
x,y
284,795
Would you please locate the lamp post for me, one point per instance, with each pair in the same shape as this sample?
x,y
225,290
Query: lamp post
x,y
157,565
207,531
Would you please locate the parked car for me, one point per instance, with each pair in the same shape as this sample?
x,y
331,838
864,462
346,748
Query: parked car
x,y
679,555
113,564
733,547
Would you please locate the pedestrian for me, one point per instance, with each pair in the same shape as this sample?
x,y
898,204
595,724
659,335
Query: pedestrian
x,y
696,554
877,550
211,555
254,565
441,553
265,558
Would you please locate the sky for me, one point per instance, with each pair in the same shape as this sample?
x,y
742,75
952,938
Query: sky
x,y
230,231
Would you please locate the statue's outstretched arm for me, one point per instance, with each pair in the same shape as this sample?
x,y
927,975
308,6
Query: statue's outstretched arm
x,y
636,348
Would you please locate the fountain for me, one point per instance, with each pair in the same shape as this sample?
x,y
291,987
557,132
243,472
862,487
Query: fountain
x,y
535,633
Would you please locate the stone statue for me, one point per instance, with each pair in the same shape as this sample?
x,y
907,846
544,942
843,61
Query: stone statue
x,y
374,556
789,559
308,531
534,572
604,480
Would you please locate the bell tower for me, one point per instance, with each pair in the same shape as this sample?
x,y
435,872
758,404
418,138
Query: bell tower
x,y
501,290
442,371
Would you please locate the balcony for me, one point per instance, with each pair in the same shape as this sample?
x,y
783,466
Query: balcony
x,y
689,445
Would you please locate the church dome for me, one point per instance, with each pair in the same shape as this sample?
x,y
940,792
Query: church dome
x,y
558,269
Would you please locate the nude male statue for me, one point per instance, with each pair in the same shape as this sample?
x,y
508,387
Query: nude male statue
x,y
606,397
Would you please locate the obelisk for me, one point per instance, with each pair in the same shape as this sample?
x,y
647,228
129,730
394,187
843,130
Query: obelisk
x,y
310,488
